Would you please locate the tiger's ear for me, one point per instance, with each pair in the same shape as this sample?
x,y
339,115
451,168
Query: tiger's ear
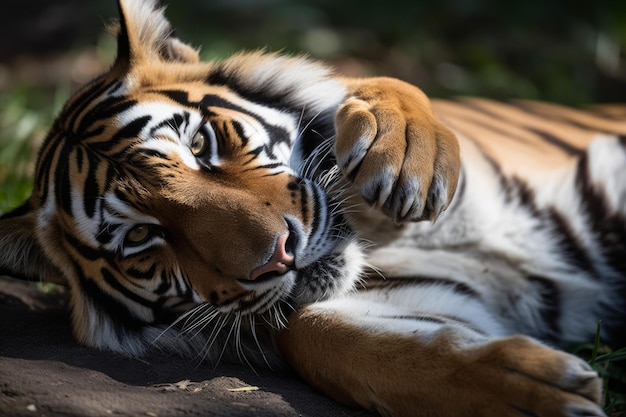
x,y
22,256
145,35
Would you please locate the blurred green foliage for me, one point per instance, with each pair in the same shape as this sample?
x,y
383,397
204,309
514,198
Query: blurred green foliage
x,y
24,120
611,366
565,51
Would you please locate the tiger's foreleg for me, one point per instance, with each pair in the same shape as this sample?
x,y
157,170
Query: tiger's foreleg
x,y
394,151
410,364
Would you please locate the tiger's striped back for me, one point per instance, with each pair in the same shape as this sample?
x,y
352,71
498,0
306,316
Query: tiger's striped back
x,y
532,137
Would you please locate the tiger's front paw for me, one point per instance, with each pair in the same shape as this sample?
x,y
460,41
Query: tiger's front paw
x,y
524,377
398,155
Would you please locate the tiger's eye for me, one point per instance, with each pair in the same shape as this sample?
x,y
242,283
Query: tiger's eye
x,y
198,143
138,234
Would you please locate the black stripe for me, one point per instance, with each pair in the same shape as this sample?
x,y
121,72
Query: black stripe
x,y
91,91
106,232
235,299
114,283
181,289
607,227
319,133
279,99
606,114
502,179
429,319
238,127
556,141
85,251
139,274
63,180
304,200
268,166
555,224
374,282
437,320
88,134
317,202
550,306
91,188
164,285
115,87
129,131
108,306
254,304
111,173
275,133
272,174
546,136
79,154
528,108
104,110
175,122
254,153
569,243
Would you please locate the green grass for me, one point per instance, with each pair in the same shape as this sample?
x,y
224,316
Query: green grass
x,y
611,366
24,121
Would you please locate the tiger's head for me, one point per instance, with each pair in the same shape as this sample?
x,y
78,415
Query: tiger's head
x,y
169,186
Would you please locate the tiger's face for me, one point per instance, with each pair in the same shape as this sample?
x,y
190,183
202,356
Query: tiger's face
x,y
167,183
197,191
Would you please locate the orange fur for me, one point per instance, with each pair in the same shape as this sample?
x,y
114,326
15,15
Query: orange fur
x,y
402,376
397,120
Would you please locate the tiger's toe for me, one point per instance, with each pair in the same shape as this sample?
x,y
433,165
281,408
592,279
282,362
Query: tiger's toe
x,y
581,379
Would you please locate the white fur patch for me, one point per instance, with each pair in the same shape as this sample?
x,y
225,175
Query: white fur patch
x,y
607,159
149,23
406,311
169,140
312,85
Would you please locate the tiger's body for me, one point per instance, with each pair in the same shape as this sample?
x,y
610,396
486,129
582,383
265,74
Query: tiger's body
x,y
264,209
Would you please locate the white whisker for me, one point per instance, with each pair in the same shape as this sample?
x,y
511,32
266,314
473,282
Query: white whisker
x,y
256,341
225,343
185,316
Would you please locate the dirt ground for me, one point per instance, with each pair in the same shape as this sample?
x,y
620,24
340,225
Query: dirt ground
x,y
44,372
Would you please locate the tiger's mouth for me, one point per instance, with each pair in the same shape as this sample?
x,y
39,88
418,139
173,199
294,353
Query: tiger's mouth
x,y
333,273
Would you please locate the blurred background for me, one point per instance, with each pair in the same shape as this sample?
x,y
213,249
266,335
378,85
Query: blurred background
x,y
571,52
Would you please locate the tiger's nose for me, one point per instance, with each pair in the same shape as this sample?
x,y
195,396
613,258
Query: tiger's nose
x,y
281,259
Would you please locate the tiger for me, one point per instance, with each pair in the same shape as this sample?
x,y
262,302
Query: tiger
x,y
403,255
